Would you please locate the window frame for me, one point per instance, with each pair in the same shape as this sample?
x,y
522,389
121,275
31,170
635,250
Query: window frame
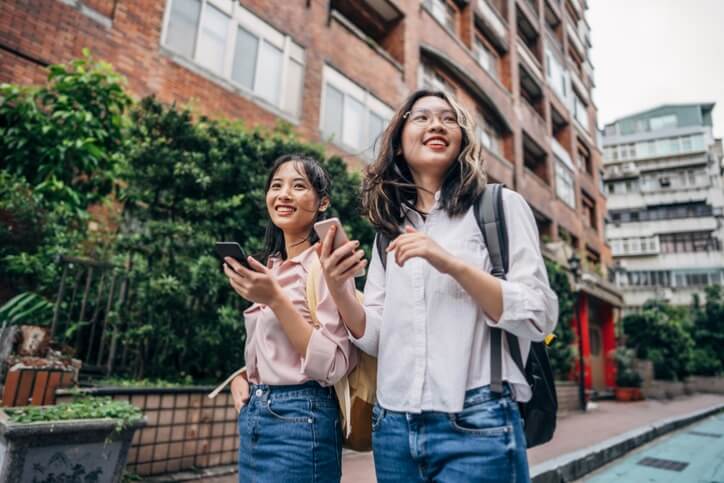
x,y
242,17
372,105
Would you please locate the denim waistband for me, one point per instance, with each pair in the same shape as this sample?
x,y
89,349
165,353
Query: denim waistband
x,y
484,393
310,389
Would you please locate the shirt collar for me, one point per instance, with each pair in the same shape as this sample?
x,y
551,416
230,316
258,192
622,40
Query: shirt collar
x,y
305,259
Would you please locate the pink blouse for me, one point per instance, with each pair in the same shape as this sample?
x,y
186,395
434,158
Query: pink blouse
x,y
271,358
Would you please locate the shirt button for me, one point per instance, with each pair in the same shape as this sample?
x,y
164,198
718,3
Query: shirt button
x,y
259,392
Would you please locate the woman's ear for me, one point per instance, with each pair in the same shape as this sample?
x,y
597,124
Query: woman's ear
x,y
324,204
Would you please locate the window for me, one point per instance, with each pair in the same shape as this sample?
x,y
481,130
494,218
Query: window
x,y
556,75
433,80
182,25
231,42
580,111
486,57
565,187
211,47
589,211
662,122
442,11
689,242
351,117
488,136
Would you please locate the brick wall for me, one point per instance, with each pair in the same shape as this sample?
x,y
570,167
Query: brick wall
x,y
128,35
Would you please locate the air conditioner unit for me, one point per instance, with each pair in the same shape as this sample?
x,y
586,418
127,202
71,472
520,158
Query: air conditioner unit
x,y
630,168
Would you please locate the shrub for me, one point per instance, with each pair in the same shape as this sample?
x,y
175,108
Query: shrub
x,y
660,333
561,351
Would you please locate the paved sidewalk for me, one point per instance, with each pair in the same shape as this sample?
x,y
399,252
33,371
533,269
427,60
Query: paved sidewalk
x,y
575,431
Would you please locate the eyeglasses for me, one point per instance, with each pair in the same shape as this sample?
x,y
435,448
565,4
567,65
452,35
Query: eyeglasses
x,y
424,118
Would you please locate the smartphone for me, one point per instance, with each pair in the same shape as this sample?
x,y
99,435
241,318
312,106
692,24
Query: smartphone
x,y
340,237
322,228
233,250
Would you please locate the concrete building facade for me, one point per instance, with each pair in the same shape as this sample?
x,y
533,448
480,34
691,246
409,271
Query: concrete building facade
x,y
663,176
336,70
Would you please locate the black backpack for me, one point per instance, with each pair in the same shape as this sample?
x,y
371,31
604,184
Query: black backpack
x,y
539,414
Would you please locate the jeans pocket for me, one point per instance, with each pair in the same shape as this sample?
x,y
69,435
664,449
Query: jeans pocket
x,y
487,419
291,411
378,414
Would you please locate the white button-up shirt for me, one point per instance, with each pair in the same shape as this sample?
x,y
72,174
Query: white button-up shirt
x,y
431,339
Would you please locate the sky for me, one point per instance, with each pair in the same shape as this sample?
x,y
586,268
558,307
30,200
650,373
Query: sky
x,y
651,52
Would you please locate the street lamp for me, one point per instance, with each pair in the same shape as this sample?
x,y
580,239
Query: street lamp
x,y
574,265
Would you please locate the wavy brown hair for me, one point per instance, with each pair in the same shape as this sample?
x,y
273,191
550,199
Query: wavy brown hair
x,y
388,185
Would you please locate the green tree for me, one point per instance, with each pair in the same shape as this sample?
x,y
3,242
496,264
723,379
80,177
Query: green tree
x,y
561,351
60,146
660,333
191,183
708,333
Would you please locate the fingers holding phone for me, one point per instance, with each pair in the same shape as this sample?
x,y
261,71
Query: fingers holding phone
x,y
247,276
341,259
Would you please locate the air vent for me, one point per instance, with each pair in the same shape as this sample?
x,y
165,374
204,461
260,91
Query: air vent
x,y
663,464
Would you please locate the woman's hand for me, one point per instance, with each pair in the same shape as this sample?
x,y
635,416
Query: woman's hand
x,y
256,285
341,264
239,392
413,244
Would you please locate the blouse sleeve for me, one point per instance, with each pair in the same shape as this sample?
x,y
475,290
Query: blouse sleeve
x,y
530,306
374,302
330,354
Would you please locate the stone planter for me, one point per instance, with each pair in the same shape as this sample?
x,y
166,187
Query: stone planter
x,y
77,450
664,390
708,384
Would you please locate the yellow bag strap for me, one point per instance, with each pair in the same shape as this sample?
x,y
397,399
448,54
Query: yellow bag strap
x,y
341,388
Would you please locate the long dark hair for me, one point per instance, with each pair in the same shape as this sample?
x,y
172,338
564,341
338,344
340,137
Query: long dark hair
x,y
317,176
388,185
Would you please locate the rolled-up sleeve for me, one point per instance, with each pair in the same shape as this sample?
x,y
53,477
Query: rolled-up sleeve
x,y
330,354
530,306
374,302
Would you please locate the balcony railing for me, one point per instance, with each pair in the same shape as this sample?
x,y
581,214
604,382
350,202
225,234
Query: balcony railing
x,y
530,60
561,153
575,40
579,85
492,18
531,117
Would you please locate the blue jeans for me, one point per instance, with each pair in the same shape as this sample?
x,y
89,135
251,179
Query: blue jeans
x,y
290,434
482,443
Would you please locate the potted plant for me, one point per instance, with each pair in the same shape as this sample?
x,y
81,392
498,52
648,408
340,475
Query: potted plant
x,y
628,381
84,440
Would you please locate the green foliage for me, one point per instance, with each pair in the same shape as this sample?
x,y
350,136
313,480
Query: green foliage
x,y
660,333
561,351
143,383
190,183
63,138
26,308
61,146
708,333
83,408
626,376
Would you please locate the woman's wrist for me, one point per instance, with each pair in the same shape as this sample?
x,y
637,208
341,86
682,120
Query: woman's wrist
x,y
279,299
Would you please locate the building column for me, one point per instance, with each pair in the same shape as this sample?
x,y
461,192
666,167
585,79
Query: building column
x,y
585,337
609,345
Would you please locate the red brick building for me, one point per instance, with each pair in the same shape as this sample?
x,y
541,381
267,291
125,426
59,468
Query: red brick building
x,y
336,69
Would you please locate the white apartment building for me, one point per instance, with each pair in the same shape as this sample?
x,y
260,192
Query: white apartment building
x,y
663,177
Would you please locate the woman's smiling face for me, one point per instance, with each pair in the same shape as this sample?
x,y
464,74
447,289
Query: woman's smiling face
x,y
291,200
431,137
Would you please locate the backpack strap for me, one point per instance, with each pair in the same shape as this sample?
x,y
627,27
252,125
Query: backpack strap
x,y
490,217
341,387
381,243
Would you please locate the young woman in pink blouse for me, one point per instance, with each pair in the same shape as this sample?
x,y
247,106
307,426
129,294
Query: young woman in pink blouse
x,y
289,426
